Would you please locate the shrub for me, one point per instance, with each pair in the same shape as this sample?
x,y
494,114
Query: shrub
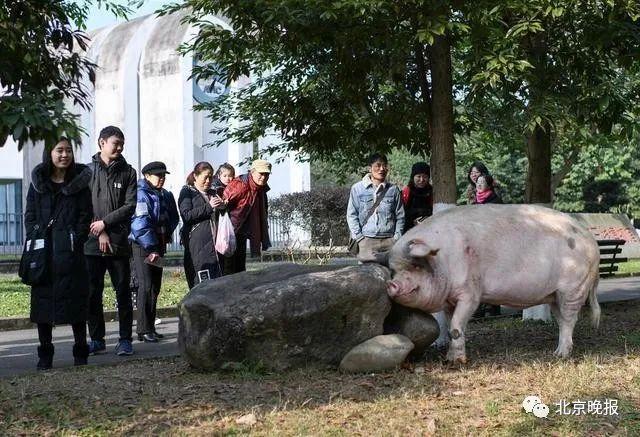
x,y
321,212
603,195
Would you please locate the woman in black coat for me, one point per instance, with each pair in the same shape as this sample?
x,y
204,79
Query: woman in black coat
x,y
198,204
59,200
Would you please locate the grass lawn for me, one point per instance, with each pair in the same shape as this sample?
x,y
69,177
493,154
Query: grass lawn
x,y
15,297
631,267
509,360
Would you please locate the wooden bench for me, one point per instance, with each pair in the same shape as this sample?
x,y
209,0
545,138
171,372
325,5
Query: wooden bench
x,y
609,259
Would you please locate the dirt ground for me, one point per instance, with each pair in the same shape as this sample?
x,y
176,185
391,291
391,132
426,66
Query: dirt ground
x,y
509,360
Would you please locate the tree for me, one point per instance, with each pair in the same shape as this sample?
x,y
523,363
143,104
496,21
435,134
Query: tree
x,y
334,79
554,68
41,65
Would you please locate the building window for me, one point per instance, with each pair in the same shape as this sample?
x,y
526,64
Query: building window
x,y
10,212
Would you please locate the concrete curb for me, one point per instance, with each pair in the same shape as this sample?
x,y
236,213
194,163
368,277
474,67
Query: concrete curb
x,y
15,323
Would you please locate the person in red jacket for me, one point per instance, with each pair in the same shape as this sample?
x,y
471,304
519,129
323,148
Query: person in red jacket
x,y
417,196
246,200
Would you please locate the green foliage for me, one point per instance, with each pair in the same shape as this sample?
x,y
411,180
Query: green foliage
x,y
42,65
337,80
324,173
321,212
15,296
604,159
503,157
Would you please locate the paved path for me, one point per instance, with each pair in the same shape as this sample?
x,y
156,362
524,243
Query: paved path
x,y
18,348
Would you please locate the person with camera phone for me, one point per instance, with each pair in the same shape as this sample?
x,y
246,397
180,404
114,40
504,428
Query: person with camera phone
x,y
199,207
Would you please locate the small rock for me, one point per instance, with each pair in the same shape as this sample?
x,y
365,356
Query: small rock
x,y
383,352
420,327
247,419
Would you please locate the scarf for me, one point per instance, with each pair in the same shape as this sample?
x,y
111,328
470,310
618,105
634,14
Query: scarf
x,y
257,219
482,196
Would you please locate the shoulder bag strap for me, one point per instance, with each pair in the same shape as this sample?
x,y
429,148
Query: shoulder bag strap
x,y
376,203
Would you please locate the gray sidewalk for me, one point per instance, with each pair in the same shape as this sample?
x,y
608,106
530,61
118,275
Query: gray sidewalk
x,y
18,347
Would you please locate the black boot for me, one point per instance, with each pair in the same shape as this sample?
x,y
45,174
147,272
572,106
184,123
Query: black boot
x,y
45,353
80,354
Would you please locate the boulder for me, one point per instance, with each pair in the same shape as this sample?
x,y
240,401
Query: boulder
x,y
420,327
283,316
383,352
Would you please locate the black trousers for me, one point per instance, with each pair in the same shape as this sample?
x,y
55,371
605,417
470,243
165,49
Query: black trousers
x,y
149,283
120,273
238,261
45,333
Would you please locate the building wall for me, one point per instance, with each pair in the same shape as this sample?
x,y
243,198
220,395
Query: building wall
x,y
143,86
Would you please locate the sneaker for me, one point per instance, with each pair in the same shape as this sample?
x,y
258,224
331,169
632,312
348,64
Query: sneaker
x,y
124,347
97,347
157,322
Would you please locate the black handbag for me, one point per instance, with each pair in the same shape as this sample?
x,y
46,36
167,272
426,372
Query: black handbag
x,y
352,245
33,263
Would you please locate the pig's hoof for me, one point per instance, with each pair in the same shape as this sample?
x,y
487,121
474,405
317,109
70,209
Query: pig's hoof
x,y
456,358
562,353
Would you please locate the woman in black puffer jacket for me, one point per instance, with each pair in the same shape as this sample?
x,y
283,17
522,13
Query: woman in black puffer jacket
x,y
198,204
59,200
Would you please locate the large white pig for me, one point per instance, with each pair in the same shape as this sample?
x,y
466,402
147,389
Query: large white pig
x,y
515,255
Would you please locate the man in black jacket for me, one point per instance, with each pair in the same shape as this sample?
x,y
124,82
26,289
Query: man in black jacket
x,y
113,195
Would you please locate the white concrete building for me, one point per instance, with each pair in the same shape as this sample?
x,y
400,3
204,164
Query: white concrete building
x,y
142,86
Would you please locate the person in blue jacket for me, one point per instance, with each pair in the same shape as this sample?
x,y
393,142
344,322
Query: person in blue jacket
x,y
152,225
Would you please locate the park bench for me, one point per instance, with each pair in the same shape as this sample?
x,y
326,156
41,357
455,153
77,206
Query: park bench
x,y
609,259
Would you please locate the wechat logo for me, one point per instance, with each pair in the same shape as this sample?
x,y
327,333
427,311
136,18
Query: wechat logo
x,y
534,405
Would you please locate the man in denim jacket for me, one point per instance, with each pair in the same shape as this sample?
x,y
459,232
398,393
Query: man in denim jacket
x,y
385,225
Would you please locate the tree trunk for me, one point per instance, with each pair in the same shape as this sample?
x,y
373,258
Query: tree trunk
x,y
443,167
558,177
538,184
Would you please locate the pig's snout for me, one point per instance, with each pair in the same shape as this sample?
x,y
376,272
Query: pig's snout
x,y
393,288
397,288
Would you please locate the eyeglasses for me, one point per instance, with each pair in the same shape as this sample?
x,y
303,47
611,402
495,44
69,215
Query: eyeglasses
x,y
380,166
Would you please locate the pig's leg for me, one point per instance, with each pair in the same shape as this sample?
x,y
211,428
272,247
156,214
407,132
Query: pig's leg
x,y
566,316
463,311
443,323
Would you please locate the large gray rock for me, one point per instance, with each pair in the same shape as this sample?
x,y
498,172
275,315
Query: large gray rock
x,y
420,327
283,316
383,352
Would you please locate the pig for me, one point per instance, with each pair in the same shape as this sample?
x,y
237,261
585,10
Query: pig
x,y
514,255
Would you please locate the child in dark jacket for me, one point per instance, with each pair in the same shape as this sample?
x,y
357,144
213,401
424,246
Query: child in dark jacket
x,y
225,174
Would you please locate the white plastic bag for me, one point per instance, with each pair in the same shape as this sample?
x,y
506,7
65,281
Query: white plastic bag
x,y
225,237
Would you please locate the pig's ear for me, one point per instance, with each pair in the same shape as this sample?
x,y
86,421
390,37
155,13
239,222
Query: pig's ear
x,y
420,249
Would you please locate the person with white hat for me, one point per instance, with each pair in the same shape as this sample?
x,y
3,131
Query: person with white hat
x,y
246,198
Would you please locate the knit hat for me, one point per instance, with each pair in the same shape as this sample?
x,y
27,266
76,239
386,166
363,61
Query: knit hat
x,y
420,167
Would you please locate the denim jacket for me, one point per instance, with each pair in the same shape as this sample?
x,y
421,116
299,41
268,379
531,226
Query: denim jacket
x,y
388,219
